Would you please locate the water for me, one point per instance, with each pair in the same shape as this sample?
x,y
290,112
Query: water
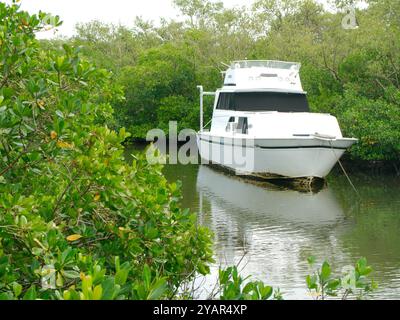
x,y
273,230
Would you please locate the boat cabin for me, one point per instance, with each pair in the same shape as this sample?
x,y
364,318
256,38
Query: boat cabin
x,y
265,98
258,86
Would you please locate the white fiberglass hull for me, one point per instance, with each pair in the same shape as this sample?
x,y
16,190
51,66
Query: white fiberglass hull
x,y
308,157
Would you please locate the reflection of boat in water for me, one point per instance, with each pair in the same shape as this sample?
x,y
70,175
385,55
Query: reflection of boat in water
x,y
279,229
274,231
313,209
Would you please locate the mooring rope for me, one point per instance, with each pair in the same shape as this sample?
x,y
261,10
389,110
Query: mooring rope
x,y
344,171
348,178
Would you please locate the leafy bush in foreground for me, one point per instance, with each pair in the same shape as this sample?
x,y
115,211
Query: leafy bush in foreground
x,y
77,222
354,282
233,287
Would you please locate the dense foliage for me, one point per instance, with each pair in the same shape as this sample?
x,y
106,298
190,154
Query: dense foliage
x,y
76,221
351,73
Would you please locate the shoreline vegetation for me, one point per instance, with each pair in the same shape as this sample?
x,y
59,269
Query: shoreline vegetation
x,y
77,222
349,71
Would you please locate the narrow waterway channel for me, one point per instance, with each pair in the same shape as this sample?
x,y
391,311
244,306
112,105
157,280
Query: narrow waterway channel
x,y
273,230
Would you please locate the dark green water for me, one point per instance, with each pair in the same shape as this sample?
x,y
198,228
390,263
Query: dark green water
x,y
278,229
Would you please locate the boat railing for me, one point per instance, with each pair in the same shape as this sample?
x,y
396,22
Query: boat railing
x,y
202,94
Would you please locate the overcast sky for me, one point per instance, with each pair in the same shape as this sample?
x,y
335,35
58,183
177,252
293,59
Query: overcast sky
x,y
116,11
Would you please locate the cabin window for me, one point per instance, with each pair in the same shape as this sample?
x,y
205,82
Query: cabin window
x,y
231,126
243,126
225,101
263,101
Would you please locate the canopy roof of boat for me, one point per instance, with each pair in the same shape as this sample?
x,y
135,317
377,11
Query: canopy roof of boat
x,y
264,74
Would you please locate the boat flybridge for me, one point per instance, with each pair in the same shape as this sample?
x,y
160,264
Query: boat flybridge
x,y
262,125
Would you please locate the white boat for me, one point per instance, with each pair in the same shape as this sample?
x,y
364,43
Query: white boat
x,y
262,125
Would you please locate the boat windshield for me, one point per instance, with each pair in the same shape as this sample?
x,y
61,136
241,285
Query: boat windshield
x,y
263,101
265,64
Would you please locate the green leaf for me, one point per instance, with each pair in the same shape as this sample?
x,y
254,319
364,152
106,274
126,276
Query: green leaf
x,y
311,282
37,251
6,296
146,276
117,263
203,269
30,294
325,271
87,286
333,284
97,292
110,290
362,267
158,289
223,276
98,274
70,274
248,287
17,289
266,292
121,276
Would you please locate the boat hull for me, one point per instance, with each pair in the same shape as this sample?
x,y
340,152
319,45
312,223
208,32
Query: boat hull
x,y
274,158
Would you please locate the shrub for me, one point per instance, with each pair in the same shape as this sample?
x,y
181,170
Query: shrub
x,y
76,221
